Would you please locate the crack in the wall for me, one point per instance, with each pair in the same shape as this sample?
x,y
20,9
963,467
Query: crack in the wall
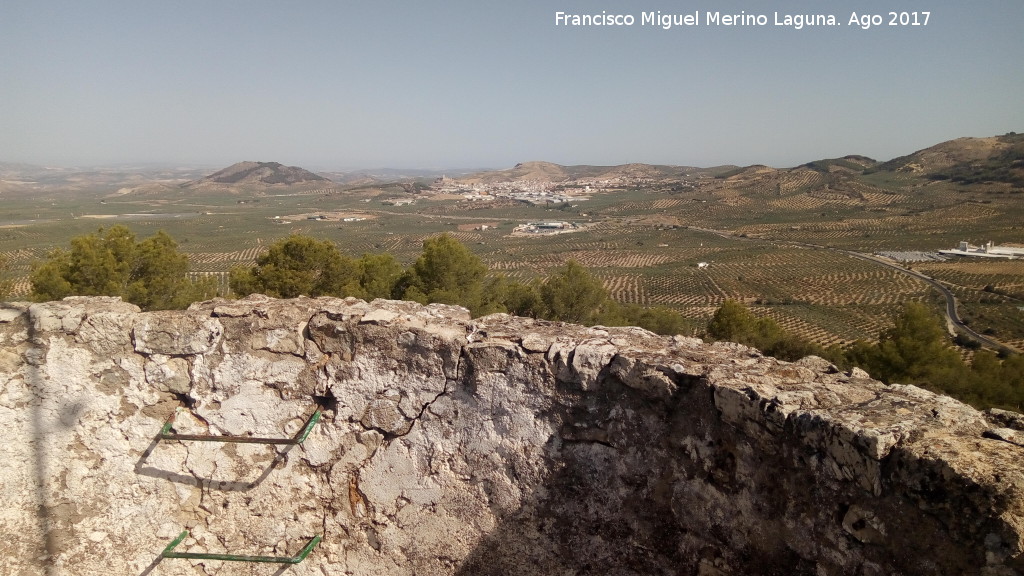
x,y
328,510
390,435
604,443
428,404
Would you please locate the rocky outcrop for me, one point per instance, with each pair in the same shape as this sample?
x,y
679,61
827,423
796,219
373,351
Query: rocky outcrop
x,y
458,446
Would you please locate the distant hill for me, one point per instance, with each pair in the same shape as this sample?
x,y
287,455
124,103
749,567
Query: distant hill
x,y
851,164
550,172
265,173
388,175
945,155
827,180
26,179
993,164
994,160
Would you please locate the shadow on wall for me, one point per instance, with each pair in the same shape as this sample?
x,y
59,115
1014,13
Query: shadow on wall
x,y
49,547
279,459
639,487
156,562
606,505
280,447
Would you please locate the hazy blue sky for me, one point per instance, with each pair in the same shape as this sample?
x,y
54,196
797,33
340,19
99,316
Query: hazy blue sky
x,y
345,84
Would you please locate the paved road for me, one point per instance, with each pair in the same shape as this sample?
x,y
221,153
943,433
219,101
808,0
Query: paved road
x,y
952,317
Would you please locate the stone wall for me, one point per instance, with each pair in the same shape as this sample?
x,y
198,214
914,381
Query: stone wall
x,y
500,445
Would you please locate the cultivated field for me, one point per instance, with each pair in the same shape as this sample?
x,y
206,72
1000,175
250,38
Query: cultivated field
x,y
771,239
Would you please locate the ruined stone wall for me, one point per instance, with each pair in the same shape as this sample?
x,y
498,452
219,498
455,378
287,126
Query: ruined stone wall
x,y
501,445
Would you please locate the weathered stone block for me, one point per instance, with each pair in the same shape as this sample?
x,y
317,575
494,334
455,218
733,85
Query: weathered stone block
x,y
176,333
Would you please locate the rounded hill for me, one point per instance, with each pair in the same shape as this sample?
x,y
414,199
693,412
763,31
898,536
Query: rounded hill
x,y
268,173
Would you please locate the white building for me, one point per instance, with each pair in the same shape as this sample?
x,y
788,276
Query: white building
x,y
989,250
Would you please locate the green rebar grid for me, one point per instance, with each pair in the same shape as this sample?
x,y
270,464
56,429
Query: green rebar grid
x,y
170,553
166,434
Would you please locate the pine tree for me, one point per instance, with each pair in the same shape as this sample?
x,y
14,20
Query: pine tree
x,y
377,275
298,266
446,272
572,294
152,274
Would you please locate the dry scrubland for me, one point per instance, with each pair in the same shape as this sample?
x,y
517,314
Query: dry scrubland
x,y
773,239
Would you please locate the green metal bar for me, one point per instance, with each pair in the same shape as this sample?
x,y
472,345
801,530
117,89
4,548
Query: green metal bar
x,y
170,553
299,438
167,425
170,547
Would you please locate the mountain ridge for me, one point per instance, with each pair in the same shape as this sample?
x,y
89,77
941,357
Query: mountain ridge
x,y
265,173
549,171
990,161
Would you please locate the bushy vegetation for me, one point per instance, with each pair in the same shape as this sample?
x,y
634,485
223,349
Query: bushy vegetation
x,y
377,275
572,294
151,274
297,266
823,166
731,173
733,322
154,275
915,350
446,272
1006,166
